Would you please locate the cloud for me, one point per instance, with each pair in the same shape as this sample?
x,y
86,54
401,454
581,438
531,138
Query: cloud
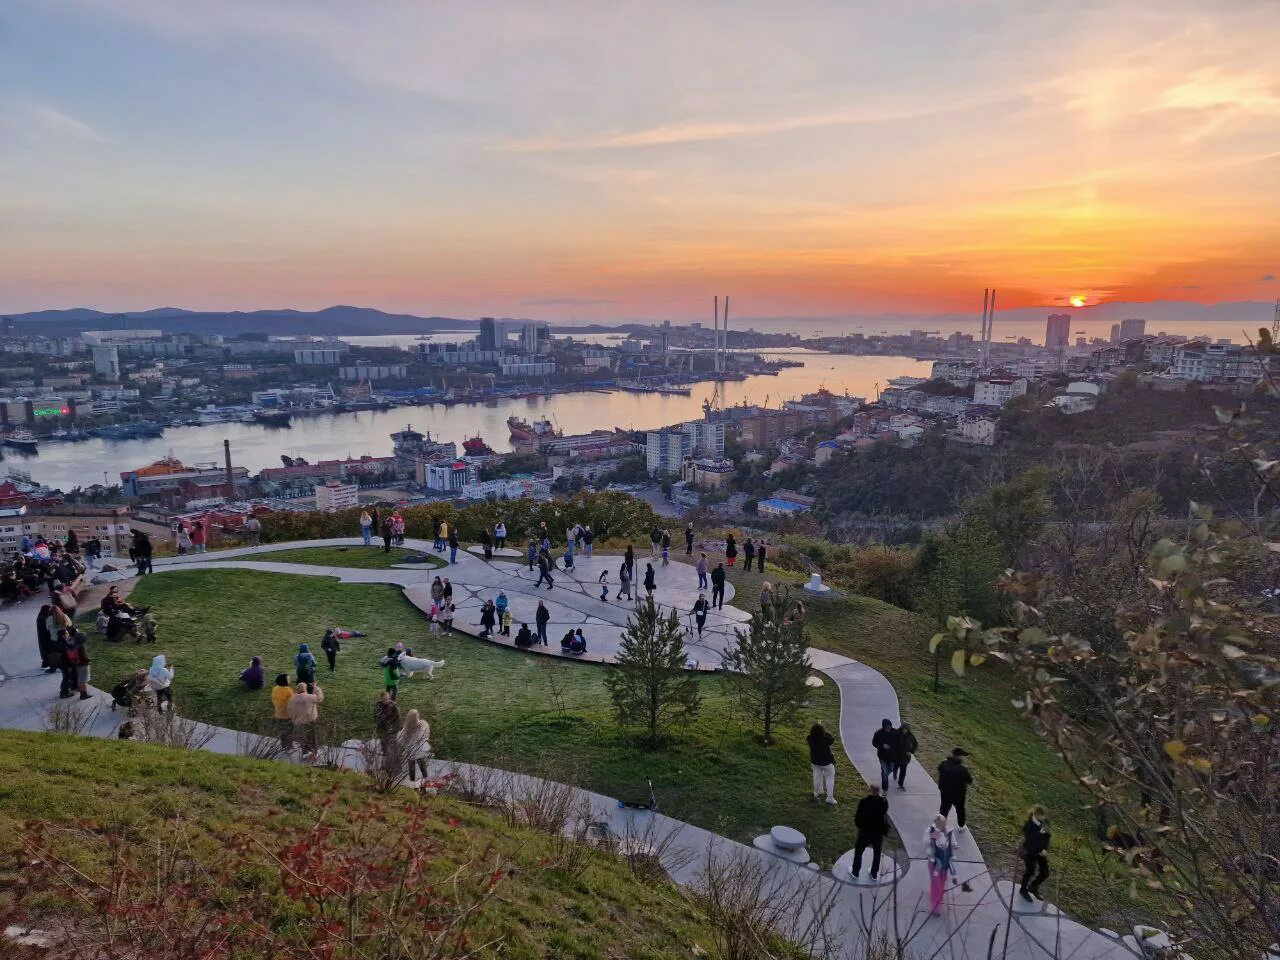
x,y
699,131
565,302
47,120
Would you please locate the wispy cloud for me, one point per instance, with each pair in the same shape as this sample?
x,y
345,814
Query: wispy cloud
x,y
696,131
565,302
47,120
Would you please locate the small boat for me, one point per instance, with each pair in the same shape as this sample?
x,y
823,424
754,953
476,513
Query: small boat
x,y
476,447
22,440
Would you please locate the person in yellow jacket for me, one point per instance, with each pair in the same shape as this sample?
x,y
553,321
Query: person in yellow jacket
x,y
281,694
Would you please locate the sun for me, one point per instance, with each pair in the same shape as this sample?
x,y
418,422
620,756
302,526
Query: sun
x,y
1076,301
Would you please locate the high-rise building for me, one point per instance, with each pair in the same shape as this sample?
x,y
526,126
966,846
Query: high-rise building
x,y
106,362
1057,331
1134,328
488,339
1115,333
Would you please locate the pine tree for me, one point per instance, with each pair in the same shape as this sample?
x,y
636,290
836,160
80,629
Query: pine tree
x,y
649,682
772,663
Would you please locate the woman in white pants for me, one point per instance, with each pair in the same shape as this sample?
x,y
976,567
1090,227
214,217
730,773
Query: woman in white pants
x,y
823,763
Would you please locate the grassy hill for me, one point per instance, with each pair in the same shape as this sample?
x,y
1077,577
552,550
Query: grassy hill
x,y
220,846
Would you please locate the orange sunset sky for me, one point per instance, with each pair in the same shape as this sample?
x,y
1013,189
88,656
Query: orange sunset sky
x,y
627,160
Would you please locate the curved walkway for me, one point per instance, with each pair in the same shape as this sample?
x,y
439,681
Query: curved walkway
x,y
866,696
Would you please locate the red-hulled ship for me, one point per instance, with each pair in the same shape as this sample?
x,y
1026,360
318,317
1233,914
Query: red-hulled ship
x,y
476,447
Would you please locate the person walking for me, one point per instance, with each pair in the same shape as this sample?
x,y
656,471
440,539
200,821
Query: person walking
x,y
142,548
453,545
331,643
749,552
624,582
160,682
445,530
184,542
904,750
885,741
366,527
304,711
954,780
939,851
199,538
92,552
391,673
1035,844
304,665
588,538
486,542
760,552
730,550
688,540
822,763
872,822
44,640
500,611
701,567
766,600
281,694
544,572
699,611
388,534
386,720
415,743
253,527
666,547
500,534
541,618
717,587
650,584
655,538
532,554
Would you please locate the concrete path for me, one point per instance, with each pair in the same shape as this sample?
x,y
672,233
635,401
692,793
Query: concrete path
x,y
970,919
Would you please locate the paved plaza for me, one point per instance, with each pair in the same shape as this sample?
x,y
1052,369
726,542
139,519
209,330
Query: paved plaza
x,y
970,918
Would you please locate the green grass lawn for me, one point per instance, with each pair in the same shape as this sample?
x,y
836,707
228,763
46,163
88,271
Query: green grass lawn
x,y
366,558
213,803
1012,766
487,705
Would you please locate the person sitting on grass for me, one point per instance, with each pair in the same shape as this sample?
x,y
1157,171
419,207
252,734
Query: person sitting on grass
x,y
253,676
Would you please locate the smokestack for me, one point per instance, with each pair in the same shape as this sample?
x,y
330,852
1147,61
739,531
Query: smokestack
x,y
715,338
231,483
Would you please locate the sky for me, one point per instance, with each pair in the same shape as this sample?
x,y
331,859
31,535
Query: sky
x,y
629,160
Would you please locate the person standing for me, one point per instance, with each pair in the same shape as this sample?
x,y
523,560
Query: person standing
x,y
160,682
688,540
391,673
500,534
872,821
304,711
44,640
1035,844
701,567
939,851
544,572
199,537
486,542
366,527
453,544
730,550
760,552
822,763
76,656
444,534
281,694
184,542
954,779
666,547
717,587
388,534
500,608
375,522
904,750
488,617
415,743
749,552
699,611
624,582
532,553
766,600
253,527
142,549
331,644
386,720
650,584
304,664
588,538
541,618
885,741
655,538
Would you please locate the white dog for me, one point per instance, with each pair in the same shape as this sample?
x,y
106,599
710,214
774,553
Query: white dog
x,y
419,665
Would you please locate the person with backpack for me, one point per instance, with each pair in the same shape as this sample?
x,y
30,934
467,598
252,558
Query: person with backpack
x,y
588,538
331,644
954,780
531,554
75,663
885,742
904,750
872,822
304,712
940,854
304,664
822,763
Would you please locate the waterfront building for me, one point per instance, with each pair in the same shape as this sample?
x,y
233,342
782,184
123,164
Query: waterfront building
x,y
446,476
997,391
334,495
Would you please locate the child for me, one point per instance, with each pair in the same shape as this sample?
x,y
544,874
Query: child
x,y
506,623
435,619
149,627
604,585
666,553
446,616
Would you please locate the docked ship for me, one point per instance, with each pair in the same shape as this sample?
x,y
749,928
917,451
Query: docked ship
x,y
524,432
22,440
272,418
476,447
666,389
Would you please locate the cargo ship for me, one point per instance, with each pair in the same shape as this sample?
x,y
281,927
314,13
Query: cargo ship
x,y
525,432
22,440
476,447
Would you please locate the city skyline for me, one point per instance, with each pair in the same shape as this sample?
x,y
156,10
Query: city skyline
x,y
578,162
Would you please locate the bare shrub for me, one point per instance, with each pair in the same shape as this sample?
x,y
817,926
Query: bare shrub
x,y
478,786
67,716
259,746
168,728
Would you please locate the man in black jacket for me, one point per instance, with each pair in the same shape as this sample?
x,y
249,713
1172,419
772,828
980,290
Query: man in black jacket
x,y
954,779
872,820
1035,844
542,617
717,586
886,743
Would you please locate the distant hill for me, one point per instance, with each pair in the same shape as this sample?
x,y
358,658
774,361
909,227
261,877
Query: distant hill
x,y
331,321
